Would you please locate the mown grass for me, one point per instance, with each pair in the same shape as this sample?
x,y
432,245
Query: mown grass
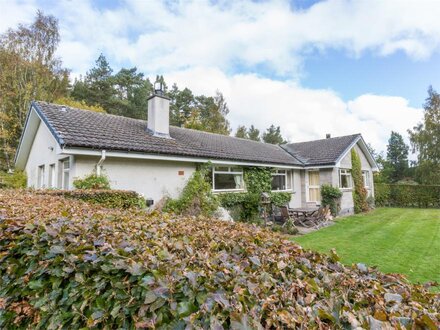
x,y
396,240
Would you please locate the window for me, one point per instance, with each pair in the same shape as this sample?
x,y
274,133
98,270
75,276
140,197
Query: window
x,y
344,179
366,177
64,173
281,180
314,188
227,178
51,176
41,179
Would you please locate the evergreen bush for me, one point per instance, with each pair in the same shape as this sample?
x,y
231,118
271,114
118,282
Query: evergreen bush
x,y
331,196
14,180
257,180
359,192
399,195
196,198
92,181
122,199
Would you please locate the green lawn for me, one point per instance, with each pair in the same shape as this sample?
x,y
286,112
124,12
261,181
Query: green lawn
x,y
395,240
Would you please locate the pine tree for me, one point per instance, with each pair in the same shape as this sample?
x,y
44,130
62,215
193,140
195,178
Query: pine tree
x,y
100,84
254,133
273,135
397,157
241,132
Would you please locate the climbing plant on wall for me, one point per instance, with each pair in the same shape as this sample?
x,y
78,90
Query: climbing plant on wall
x,y
359,191
257,180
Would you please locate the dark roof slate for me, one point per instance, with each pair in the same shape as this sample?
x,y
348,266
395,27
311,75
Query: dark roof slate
x,y
86,129
321,152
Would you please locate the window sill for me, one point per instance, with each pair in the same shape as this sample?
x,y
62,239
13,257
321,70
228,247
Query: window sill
x,y
283,191
219,191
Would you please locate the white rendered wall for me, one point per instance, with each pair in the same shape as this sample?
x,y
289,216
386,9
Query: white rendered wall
x,y
43,152
295,201
151,178
347,205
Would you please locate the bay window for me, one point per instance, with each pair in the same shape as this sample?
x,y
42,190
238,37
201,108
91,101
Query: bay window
x,y
345,179
225,178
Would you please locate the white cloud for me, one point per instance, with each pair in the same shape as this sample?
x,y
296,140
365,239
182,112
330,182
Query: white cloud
x,y
161,36
203,45
302,113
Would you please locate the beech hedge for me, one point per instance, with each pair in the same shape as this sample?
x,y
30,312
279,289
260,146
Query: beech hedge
x,y
403,195
68,264
110,198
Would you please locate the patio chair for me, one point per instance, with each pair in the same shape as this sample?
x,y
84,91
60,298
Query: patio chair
x,y
321,217
285,213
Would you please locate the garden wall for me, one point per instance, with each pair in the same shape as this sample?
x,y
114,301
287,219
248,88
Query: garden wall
x,y
423,196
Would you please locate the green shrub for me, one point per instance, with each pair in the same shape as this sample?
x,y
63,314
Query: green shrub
x,y
196,198
280,198
122,199
257,180
66,266
249,203
424,196
331,196
92,181
359,192
15,180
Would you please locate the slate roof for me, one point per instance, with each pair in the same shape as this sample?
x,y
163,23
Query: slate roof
x,y
86,129
321,152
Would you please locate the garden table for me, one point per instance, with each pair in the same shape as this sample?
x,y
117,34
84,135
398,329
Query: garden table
x,y
304,212
305,217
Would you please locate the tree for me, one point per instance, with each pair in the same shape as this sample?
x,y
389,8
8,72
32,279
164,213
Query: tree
x,y
397,157
241,132
97,86
182,105
425,140
209,114
254,133
29,71
273,135
124,93
359,192
131,93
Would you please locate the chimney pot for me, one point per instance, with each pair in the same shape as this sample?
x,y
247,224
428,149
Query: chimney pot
x,y
328,136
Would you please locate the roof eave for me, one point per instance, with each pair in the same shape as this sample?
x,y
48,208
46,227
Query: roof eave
x,y
157,156
33,119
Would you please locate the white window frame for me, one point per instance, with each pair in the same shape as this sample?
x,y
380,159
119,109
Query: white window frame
x,y
63,171
366,178
346,172
41,176
52,176
308,186
287,173
229,171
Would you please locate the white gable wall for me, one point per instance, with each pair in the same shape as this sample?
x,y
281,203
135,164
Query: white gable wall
x,y
42,152
347,205
151,178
